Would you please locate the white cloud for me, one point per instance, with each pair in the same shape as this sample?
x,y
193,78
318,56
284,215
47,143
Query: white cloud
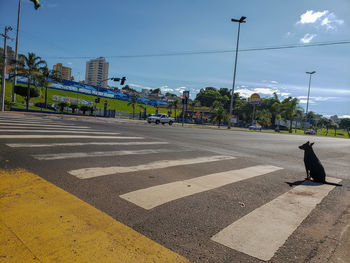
x,y
285,94
133,85
166,89
274,82
307,38
331,22
344,116
69,63
180,90
305,102
311,16
320,19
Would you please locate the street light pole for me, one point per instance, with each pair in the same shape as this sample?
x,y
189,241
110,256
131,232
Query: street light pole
x,y
16,53
241,20
308,94
3,83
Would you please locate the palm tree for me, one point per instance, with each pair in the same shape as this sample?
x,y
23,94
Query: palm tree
x,y
290,106
133,103
218,113
30,66
276,111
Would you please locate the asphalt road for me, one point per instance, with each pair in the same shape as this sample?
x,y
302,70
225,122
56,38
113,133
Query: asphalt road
x,y
187,217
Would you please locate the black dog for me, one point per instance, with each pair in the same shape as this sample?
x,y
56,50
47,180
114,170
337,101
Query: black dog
x,y
313,166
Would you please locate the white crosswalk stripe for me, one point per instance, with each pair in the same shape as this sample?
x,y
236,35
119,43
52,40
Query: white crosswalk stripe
x,y
35,145
263,231
58,131
56,136
86,173
72,128
13,124
157,195
60,156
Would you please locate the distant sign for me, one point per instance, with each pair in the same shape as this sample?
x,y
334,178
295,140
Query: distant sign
x,y
254,99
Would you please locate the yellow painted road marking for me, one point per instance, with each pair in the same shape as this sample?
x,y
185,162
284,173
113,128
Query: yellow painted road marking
x,y
41,222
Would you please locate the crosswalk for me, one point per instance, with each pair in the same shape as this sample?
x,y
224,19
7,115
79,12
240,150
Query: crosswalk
x,y
259,233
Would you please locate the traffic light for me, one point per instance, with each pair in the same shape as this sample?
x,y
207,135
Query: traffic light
x,y
122,80
115,79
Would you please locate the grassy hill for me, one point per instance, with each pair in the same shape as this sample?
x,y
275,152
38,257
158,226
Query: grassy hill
x,y
112,104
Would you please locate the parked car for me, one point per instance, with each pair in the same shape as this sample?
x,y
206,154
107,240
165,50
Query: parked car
x,y
160,118
255,127
311,132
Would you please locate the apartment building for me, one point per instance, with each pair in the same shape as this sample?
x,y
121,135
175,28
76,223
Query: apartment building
x,y
66,72
97,72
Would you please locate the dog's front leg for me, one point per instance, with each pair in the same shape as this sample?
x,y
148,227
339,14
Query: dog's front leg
x,y
307,174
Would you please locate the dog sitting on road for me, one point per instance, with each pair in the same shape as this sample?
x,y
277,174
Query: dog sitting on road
x,y
313,166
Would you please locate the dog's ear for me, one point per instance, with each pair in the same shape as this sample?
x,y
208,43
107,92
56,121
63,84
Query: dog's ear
x,y
308,142
312,144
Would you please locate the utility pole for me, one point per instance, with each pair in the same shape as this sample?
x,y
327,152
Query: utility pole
x,y
16,53
7,28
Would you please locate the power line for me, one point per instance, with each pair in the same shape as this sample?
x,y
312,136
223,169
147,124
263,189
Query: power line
x,y
187,53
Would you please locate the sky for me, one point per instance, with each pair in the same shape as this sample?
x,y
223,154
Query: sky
x,y
72,32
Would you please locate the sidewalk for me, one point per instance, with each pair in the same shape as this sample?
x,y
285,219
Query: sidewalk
x,y
40,222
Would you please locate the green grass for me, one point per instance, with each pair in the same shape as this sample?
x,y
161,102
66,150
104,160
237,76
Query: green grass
x,y
113,104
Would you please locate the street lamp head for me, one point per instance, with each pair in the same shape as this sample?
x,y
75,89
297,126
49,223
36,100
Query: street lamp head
x,y
241,20
313,72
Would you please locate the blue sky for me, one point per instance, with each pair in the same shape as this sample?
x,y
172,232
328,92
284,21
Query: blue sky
x,y
72,32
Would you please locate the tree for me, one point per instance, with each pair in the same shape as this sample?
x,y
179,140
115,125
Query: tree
x,y
345,124
218,113
30,66
207,96
133,103
74,106
290,106
277,111
263,117
62,105
84,108
22,91
324,123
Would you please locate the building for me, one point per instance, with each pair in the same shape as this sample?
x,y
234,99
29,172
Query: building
x,y
97,72
66,72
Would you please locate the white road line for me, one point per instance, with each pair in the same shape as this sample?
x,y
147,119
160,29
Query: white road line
x,y
38,122
61,156
42,125
58,131
53,136
32,145
70,128
151,197
86,173
263,231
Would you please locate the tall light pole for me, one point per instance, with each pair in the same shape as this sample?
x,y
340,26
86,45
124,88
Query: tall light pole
x,y
16,53
3,83
241,20
308,94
